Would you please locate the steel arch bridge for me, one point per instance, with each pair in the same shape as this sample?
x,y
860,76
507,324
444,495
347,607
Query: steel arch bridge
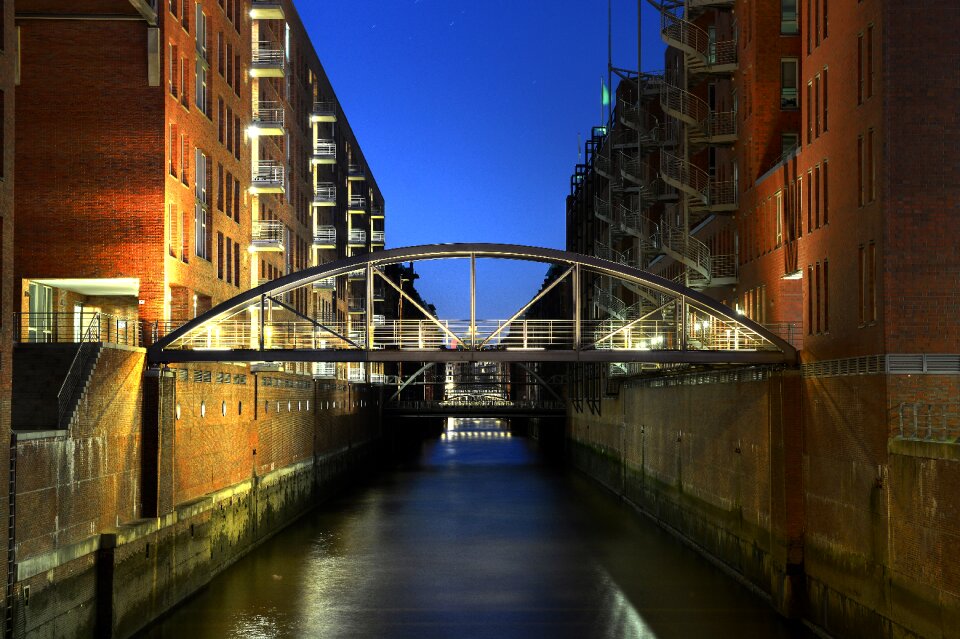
x,y
670,324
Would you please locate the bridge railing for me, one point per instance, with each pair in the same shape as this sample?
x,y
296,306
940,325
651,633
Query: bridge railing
x,y
87,326
699,333
439,406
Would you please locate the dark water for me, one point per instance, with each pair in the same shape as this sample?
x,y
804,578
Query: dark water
x,y
478,538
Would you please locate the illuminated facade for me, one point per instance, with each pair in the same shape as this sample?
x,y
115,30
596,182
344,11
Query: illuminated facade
x,y
209,156
796,162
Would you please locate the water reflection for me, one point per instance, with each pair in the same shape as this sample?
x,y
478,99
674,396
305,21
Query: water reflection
x,y
479,539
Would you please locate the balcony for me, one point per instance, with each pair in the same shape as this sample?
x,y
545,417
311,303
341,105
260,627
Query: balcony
x,y
267,235
268,61
357,305
378,294
358,204
324,152
357,237
267,177
325,194
378,237
356,373
324,370
359,274
356,173
266,10
328,284
709,127
268,119
324,112
376,213
325,237
378,378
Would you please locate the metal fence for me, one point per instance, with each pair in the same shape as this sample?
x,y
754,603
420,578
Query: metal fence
x,y
930,422
72,328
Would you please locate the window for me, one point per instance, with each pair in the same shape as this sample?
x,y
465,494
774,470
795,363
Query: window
x,y
788,83
860,69
185,159
824,103
810,294
789,143
201,33
236,74
236,137
40,326
861,285
221,114
173,230
229,260
809,112
809,200
229,194
184,83
789,24
174,69
202,93
174,148
230,64
872,282
236,200
816,196
201,230
229,129
779,223
816,103
826,22
871,169
809,30
816,303
220,255
236,265
826,296
173,7
185,14
826,195
860,170
816,21
870,61
221,54
185,237
219,186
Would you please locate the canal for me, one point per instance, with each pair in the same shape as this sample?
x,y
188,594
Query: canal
x,y
478,536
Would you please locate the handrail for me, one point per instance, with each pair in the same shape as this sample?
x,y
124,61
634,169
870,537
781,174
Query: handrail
x,y
325,148
266,53
325,192
268,231
73,378
267,111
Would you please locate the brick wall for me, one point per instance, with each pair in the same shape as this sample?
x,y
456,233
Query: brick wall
x,y
7,299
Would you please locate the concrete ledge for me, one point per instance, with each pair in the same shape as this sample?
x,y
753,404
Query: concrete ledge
x,y
31,435
919,448
55,558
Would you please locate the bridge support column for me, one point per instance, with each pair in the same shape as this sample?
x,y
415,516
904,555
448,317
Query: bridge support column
x,y
156,442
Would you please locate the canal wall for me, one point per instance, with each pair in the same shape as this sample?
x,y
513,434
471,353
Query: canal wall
x,y
160,482
799,484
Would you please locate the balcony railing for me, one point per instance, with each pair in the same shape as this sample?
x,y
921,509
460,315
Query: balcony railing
x,y
268,60
268,117
378,237
356,171
268,235
325,151
72,328
328,284
358,203
357,304
325,194
324,370
356,373
325,236
324,111
357,236
268,176
376,212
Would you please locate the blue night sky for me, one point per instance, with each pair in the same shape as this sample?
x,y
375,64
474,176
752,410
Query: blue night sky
x,y
468,115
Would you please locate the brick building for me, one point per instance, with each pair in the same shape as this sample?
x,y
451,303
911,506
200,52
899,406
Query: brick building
x,y
7,80
795,161
205,155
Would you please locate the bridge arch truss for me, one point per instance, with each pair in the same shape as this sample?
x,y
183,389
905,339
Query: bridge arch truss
x,y
669,323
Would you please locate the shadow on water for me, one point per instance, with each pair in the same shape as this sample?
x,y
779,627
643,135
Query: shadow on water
x,y
474,536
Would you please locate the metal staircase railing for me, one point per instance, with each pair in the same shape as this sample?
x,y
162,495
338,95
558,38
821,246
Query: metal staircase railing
x,y
685,177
